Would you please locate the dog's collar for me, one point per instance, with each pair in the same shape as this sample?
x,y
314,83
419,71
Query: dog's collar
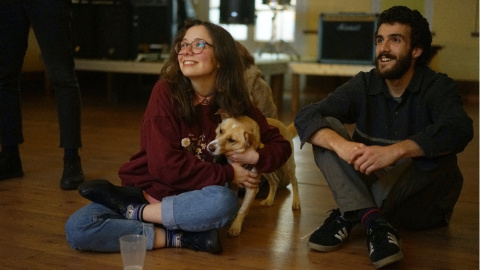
x,y
249,167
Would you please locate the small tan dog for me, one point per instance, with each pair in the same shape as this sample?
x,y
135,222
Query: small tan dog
x,y
239,134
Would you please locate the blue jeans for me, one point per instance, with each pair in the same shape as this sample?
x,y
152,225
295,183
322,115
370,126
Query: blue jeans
x,y
51,22
97,228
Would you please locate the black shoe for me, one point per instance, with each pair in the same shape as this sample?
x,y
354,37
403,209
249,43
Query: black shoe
x,y
331,234
204,241
117,198
10,166
383,244
72,175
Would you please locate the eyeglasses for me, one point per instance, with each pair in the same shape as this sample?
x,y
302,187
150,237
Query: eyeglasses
x,y
197,46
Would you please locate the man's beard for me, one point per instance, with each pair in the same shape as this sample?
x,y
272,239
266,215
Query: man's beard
x,y
398,70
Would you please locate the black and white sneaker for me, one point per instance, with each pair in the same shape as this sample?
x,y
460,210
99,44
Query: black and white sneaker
x,y
383,244
331,234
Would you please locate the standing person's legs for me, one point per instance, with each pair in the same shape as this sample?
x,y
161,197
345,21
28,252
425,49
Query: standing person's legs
x,y
14,29
51,22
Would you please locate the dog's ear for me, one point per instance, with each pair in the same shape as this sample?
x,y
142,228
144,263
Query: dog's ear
x,y
252,139
248,138
223,114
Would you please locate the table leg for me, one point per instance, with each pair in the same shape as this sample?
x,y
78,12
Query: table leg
x,y
295,92
276,84
48,85
110,94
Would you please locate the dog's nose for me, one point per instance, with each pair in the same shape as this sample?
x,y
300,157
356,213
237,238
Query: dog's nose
x,y
211,147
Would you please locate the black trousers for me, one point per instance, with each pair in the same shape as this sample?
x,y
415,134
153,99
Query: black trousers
x,y
51,23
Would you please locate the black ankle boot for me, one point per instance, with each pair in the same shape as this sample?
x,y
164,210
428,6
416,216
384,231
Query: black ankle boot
x,y
10,166
208,241
72,174
117,198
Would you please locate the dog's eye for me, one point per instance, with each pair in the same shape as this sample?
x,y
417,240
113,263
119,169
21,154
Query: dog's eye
x,y
230,140
220,131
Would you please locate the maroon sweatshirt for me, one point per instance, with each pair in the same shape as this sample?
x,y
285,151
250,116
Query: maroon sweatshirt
x,y
173,157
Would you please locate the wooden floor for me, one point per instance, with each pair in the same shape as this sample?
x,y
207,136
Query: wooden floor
x,y
34,209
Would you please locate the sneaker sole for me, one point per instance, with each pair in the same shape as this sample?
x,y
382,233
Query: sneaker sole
x,y
388,260
321,248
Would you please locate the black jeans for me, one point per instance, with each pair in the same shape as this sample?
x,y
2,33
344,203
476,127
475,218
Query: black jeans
x,y
51,22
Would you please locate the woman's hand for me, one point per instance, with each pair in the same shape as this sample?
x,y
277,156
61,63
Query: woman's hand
x,y
249,156
244,178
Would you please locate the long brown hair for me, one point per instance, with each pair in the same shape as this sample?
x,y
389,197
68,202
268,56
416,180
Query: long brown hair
x,y
230,91
247,58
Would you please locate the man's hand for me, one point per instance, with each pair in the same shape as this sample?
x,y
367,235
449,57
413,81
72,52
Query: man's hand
x,y
365,159
345,149
368,159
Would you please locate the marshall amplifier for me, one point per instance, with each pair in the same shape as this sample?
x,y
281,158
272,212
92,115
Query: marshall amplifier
x,y
346,38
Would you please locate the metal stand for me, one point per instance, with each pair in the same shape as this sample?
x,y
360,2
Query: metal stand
x,y
275,46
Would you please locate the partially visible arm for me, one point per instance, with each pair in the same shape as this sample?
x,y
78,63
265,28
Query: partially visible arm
x,y
276,150
342,104
331,140
406,149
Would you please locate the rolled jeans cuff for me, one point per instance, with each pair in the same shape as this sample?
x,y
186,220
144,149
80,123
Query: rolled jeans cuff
x,y
168,218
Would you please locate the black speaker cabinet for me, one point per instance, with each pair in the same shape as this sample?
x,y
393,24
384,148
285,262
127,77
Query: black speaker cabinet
x,y
84,32
119,29
276,2
102,29
347,38
237,12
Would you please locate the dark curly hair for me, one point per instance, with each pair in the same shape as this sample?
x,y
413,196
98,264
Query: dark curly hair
x,y
230,91
420,31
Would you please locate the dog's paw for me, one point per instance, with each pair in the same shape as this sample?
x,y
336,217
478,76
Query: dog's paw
x,y
234,231
295,203
295,206
266,202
